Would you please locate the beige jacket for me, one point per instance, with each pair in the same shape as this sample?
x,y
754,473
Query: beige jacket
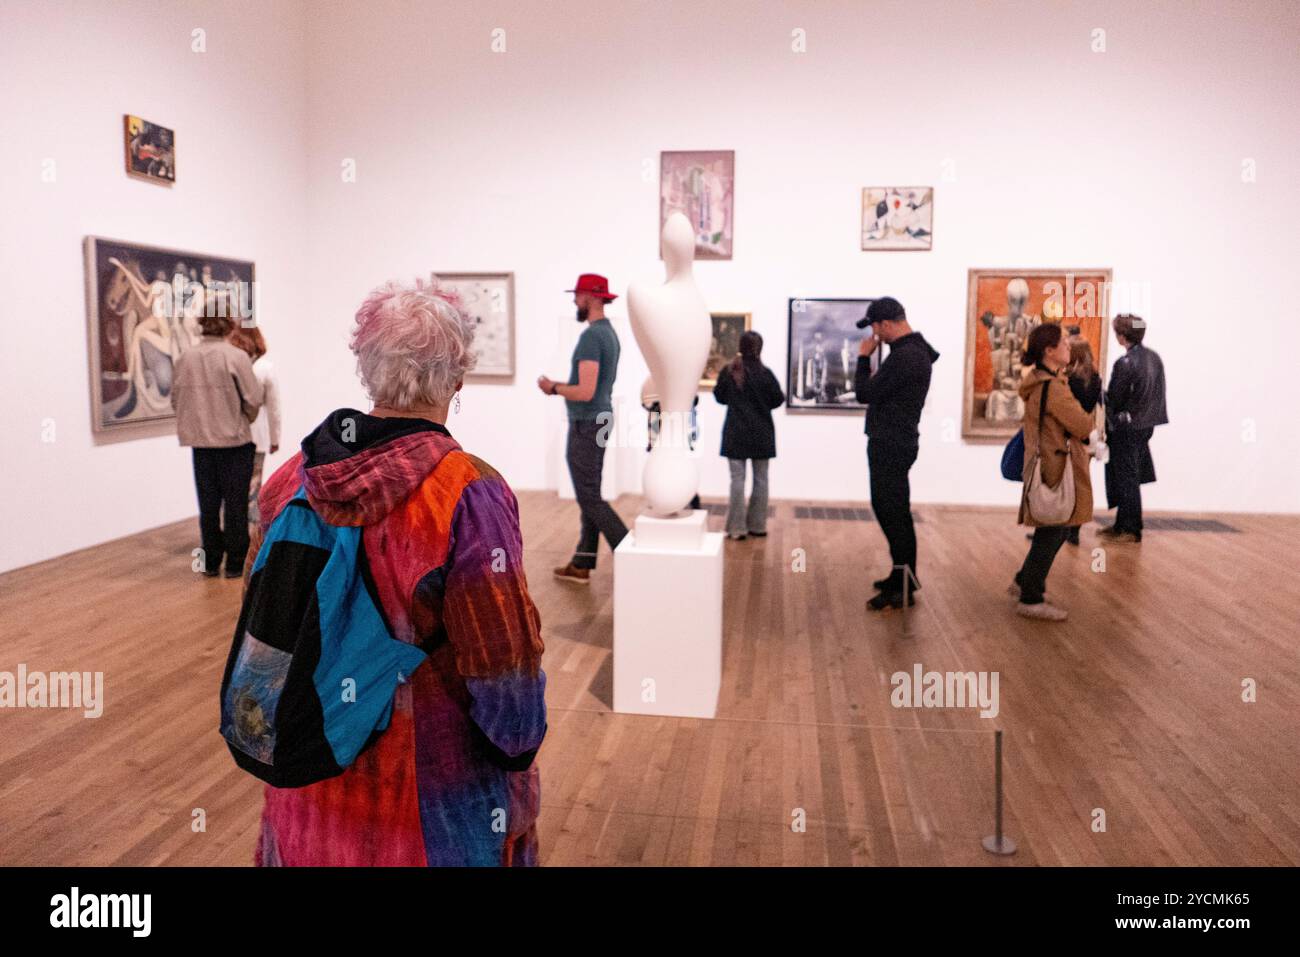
x,y
215,395
1065,419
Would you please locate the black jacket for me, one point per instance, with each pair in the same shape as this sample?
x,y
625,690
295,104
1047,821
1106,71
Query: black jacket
x,y
895,395
1088,393
748,432
1136,397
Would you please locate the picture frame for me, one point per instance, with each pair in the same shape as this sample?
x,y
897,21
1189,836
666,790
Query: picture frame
x,y
1002,307
490,298
150,150
728,327
701,184
897,218
142,308
822,342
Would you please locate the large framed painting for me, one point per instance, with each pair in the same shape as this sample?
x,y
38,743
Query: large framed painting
x,y
1002,307
490,298
897,217
143,305
701,184
822,354
725,344
150,150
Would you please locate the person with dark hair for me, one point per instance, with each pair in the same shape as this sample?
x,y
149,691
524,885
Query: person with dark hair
x,y
894,397
1085,384
216,396
589,402
1135,405
1056,432
750,392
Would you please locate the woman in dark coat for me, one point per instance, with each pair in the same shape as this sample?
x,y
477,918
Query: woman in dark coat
x,y
750,392
1085,383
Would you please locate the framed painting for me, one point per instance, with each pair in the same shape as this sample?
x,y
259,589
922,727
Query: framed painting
x,y
143,304
700,184
897,217
727,330
1002,307
150,150
490,298
822,354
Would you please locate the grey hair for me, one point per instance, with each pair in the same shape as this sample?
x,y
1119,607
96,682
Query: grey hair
x,y
413,344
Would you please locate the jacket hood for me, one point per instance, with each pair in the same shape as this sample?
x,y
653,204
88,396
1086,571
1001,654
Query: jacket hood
x,y
1032,379
357,467
915,339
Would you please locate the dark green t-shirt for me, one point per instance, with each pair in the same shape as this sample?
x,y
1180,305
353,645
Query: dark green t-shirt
x,y
598,343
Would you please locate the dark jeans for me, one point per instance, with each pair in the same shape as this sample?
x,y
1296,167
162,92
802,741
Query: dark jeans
x,y
1032,577
222,477
586,458
889,461
1126,450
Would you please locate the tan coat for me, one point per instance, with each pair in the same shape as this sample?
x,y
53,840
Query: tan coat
x,y
215,395
1065,419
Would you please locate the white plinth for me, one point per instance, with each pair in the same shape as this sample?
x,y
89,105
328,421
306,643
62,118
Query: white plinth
x,y
680,533
668,621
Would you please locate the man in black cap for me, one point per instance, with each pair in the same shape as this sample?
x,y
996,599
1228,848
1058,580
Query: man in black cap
x,y
894,397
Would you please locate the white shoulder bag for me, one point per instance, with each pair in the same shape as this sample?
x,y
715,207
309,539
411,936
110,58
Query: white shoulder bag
x,y
1044,504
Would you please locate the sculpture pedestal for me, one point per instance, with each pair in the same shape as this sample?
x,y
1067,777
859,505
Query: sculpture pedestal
x,y
668,618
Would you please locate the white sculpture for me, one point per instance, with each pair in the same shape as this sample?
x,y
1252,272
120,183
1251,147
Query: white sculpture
x,y
673,329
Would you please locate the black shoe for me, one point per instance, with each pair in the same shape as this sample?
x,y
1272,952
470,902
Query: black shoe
x,y
889,599
234,573
758,534
890,583
211,572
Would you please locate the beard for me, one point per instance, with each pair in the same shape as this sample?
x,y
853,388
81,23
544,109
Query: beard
x,y
583,312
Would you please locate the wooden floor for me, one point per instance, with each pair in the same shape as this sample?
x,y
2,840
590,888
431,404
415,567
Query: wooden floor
x,y
1134,706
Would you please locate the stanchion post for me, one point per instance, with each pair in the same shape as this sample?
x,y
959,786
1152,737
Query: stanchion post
x,y
997,842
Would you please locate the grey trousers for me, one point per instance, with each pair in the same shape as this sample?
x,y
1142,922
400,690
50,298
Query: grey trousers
x,y
754,519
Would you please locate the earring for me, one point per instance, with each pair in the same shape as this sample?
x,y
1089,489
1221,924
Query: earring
x,y
457,397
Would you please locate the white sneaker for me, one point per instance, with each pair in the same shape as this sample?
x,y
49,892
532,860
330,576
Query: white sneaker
x,y
1042,611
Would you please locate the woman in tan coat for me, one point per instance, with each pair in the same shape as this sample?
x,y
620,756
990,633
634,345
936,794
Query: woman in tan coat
x,y
1066,429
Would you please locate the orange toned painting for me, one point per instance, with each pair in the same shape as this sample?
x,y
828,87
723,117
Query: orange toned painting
x,y
1002,308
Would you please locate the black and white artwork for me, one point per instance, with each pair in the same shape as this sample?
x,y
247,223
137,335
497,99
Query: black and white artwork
x,y
823,353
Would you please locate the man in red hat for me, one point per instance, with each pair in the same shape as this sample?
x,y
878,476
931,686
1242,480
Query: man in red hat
x,y
588,396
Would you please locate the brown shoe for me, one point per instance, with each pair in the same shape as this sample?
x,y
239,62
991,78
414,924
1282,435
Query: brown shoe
x,y
570,574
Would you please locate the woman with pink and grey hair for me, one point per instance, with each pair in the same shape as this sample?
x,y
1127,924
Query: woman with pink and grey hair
x,y
452,780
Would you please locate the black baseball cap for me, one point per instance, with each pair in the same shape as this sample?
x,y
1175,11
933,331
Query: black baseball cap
x,y
884,309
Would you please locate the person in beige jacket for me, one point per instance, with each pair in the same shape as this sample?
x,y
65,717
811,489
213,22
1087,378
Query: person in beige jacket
x,y
216,396
1066,430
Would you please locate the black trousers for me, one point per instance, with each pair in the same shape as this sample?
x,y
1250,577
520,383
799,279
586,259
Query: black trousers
x,y
1127,449
585,454
221,477
889,461
1032,577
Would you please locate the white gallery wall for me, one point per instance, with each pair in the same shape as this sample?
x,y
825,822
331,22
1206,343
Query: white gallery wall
x,y
525,137
68,73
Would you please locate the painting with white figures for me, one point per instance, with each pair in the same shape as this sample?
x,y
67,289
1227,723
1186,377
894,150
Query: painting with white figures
x,y
490,299
897,217
823,353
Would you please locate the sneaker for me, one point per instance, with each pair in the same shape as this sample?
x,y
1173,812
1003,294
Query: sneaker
x,y
569,573
737,538
1043,611
889,599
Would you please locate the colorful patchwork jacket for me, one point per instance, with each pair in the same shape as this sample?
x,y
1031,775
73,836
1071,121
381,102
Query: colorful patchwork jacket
x,y
452,781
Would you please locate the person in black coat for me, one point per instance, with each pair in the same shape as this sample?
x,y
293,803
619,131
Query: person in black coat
x,y
750,392
1135,405
894,397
